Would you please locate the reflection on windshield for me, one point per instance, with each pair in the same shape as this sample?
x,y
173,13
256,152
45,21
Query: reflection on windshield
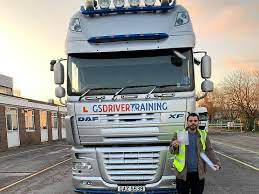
x,y
203,116
168,70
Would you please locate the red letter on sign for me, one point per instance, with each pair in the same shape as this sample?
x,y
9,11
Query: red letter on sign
x,y
85,109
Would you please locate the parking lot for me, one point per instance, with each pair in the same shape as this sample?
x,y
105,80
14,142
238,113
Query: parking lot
x,y
47,168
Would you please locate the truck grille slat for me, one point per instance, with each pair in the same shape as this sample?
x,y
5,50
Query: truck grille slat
x,y
131,161
129,118
129,167
132,172
132,178
131,155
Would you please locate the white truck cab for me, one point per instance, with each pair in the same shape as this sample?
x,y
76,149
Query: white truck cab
x,y
130,84
203,117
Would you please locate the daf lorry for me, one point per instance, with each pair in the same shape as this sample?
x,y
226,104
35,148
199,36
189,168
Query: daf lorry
x,y
130,83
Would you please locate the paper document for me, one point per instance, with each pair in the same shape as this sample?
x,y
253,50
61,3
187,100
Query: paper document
x,y
183,137
207,160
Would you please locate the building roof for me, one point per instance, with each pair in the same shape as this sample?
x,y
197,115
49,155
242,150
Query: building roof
x,y
6,81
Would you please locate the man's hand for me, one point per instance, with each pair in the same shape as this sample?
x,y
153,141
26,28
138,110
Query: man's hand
x,y
175,143
217,166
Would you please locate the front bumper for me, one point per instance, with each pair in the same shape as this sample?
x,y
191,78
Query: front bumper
x,y
97,185
157,191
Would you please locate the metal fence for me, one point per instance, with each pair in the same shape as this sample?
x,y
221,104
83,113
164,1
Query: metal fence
x,y
228,126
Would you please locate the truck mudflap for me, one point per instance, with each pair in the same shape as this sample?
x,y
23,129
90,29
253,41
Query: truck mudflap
x,y
155,191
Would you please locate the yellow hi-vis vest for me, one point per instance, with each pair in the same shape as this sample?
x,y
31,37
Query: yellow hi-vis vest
x,y
179,160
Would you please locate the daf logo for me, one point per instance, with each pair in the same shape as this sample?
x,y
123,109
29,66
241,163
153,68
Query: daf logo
x,y
176,116
86,119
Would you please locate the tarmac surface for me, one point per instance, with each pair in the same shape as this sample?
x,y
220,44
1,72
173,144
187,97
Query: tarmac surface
x,y
47,168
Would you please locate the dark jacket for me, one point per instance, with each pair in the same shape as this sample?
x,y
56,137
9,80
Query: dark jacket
x,y
202,169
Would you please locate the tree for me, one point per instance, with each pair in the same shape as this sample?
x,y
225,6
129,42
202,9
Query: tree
x,y
240,92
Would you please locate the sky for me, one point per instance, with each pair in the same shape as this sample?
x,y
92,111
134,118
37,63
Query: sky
x,y
32,32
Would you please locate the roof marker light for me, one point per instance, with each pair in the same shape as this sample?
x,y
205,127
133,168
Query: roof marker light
x,y
165,2
134,3
104,4
150,2
89,4
119,3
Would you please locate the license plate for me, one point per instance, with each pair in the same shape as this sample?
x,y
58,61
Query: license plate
x,y
131,188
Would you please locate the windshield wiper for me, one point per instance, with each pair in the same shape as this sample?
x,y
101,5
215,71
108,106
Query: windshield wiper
x,y
135,86
84,94
161,95
148,95
87,90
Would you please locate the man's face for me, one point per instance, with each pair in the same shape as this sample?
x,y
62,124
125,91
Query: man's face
x,y
193,123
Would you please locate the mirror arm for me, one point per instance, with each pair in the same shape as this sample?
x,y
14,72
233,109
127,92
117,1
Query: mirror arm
x,y
61,59
201,97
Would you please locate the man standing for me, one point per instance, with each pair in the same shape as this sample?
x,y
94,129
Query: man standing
x,y
189,167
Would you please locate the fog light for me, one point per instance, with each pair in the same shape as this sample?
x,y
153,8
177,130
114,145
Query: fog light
x,y
86,183
82,165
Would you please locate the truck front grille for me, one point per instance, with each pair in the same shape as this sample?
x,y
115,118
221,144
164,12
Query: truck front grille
x,y
129,118
133,166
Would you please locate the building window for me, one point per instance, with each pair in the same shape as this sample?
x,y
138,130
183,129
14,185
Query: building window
x,y
63,120
5,90
29,120
54,120
12,119
43,119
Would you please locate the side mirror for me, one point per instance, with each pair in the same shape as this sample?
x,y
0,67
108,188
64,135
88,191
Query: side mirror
x,y
60,92
207,86
59,73
206,67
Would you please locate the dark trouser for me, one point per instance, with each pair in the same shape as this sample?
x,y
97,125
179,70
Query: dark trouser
x,y
192,183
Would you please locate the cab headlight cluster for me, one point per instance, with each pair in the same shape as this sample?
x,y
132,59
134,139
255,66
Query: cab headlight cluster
x,y
82,166
182,18
75,25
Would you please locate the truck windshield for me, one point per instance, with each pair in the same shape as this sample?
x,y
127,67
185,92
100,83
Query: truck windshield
x,y
203,116
105,73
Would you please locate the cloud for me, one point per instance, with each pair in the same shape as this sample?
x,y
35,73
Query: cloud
x,y
235,63
234,19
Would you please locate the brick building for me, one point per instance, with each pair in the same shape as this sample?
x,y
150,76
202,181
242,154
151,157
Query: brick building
x,y
25,121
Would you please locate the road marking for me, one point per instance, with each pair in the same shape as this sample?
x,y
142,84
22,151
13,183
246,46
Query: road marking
x,y
248,136
35,174
243,149
56,152
10,155
248,165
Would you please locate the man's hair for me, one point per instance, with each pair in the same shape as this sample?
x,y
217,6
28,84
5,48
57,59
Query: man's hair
x,y
193,115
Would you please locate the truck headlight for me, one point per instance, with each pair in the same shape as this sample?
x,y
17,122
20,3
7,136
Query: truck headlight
x,y
119,3
104,4
82,166
150,2
75,25
182,18
134,3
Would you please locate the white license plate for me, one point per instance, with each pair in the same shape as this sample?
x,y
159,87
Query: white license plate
x,y
131,188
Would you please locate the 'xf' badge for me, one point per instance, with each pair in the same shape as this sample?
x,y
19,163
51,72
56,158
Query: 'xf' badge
x,y
176,116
